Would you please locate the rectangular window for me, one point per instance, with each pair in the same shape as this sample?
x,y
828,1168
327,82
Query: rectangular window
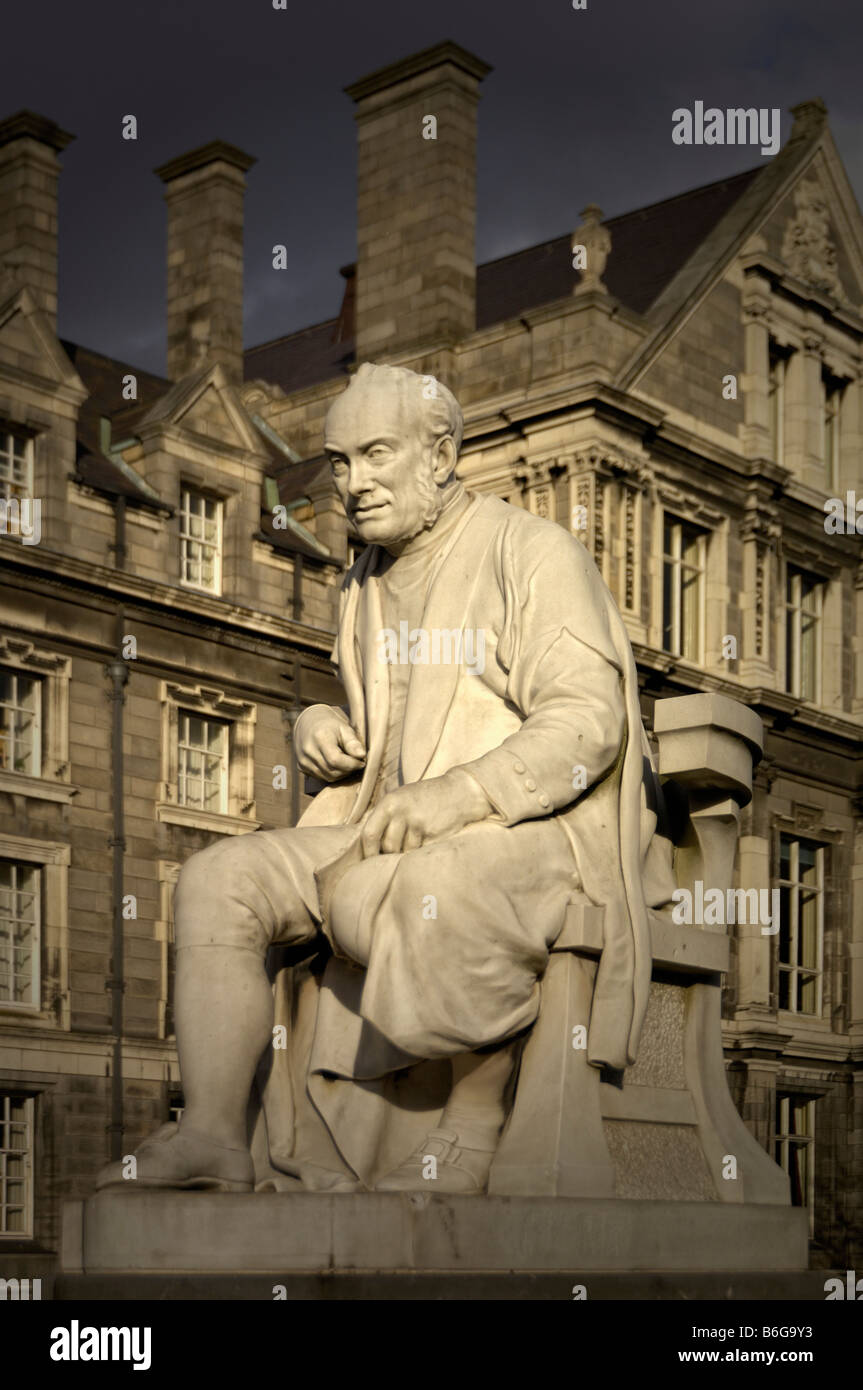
x,y
683,561
20,922
202,763
801,925
16,1164
200,541
803,604
831,405
795,1147
20,723
16,465
777,370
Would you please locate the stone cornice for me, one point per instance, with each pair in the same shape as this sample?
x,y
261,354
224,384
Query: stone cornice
x,y
120,587
216,151
430,59
29,125
776,708
607,401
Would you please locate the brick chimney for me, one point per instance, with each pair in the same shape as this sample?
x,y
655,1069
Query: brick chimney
x,y
204,191
29,169
416,211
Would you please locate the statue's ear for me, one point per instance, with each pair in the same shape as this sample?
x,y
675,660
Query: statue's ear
x,y
444,458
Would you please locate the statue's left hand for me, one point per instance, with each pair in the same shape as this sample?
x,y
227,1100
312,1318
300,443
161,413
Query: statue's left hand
x,y
422,811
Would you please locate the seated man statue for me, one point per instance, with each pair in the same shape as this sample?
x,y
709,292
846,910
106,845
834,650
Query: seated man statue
x,y
489,762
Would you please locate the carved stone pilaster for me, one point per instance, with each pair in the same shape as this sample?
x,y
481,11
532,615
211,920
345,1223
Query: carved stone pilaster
x,y
760,528
535,480
761,532
630,597
813,344
595,466
756,307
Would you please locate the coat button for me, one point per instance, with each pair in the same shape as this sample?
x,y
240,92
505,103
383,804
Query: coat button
x,y
519,767
544,801
530,784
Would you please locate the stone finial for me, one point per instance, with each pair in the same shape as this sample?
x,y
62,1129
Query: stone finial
x,y
809,116
591,244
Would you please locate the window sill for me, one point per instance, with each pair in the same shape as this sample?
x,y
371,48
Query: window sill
x,y
200,589
36,788
816,1023
194,819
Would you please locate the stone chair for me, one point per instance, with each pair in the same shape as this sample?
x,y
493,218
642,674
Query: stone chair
x,y
667,1127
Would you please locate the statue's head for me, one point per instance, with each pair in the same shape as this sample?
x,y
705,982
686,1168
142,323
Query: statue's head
x,y
393,439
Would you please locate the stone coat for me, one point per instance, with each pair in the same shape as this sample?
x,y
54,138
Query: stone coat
x,y
557,691
523,725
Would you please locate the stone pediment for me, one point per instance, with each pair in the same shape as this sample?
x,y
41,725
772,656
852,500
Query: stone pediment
x,y
207,405
815,232
27,341
208,416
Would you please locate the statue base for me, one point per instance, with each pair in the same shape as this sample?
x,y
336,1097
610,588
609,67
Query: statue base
x,y
200,1237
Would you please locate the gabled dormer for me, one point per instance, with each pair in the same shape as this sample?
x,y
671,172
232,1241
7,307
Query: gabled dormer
x,y
40,396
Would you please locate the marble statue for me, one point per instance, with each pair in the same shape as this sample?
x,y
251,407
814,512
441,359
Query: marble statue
x,y
489,764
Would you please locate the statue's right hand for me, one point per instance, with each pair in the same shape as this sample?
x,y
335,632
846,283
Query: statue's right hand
x,y
326,744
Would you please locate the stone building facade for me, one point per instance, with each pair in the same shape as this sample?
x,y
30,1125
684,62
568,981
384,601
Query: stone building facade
x,y
682,387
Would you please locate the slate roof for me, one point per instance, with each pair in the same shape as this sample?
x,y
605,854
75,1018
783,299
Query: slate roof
x,y
103,378
648,248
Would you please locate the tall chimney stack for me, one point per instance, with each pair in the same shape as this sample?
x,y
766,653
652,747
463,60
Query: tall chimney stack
x,y
29,169
204,190
416,212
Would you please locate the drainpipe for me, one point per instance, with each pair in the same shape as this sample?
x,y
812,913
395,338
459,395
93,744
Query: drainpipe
x,y
119,673
297,606
290,717
120,533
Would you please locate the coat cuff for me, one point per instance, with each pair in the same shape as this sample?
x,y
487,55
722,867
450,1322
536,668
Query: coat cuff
x,y
511,787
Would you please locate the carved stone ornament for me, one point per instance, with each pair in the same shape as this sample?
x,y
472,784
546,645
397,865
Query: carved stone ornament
x,y
596,240
807,248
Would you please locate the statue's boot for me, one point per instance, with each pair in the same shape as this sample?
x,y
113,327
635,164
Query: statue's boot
x,y
466,1139
457,1167
179,1157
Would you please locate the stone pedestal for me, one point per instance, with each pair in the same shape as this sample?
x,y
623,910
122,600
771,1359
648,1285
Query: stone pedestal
x,y
177,1233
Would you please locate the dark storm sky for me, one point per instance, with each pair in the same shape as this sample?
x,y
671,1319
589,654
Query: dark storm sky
x,y
577,110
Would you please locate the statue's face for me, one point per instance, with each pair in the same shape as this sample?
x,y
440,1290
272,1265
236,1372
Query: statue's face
x,y
384,468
